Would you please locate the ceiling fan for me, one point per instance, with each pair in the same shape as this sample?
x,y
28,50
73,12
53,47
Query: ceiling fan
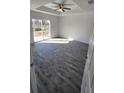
x,y
61,7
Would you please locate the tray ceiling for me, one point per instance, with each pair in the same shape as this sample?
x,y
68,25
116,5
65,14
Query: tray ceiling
x,y
77,7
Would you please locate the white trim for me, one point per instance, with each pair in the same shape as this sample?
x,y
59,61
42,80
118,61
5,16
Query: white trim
x,y
61,14
44,12
86,80
74,14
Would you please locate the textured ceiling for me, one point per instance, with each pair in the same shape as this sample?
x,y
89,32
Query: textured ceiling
x,y
77,7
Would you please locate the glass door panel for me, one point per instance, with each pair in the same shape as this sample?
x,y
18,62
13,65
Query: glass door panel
x,y
41,29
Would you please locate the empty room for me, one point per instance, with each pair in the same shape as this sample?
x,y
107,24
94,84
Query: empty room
x,y
62,46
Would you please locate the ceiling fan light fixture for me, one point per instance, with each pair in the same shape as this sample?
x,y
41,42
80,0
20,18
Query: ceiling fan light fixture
x,y
60,10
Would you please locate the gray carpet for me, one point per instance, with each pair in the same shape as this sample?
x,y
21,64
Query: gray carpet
x,y
59,67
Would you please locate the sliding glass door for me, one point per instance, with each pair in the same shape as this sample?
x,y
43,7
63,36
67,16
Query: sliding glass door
x,y
41,29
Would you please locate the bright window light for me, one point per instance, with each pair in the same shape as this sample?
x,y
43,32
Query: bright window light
x,y
70,39
57,40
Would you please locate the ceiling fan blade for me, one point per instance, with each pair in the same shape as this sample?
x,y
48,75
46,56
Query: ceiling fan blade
x,y
55,9
55,6
63,10
55,3
67,8
67,4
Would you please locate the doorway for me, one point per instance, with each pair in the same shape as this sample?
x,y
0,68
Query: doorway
x,y
41,29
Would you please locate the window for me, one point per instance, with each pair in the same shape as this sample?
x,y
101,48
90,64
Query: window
x,y
41,29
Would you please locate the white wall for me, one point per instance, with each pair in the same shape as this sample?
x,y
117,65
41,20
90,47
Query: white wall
x,y
78,27
53,19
